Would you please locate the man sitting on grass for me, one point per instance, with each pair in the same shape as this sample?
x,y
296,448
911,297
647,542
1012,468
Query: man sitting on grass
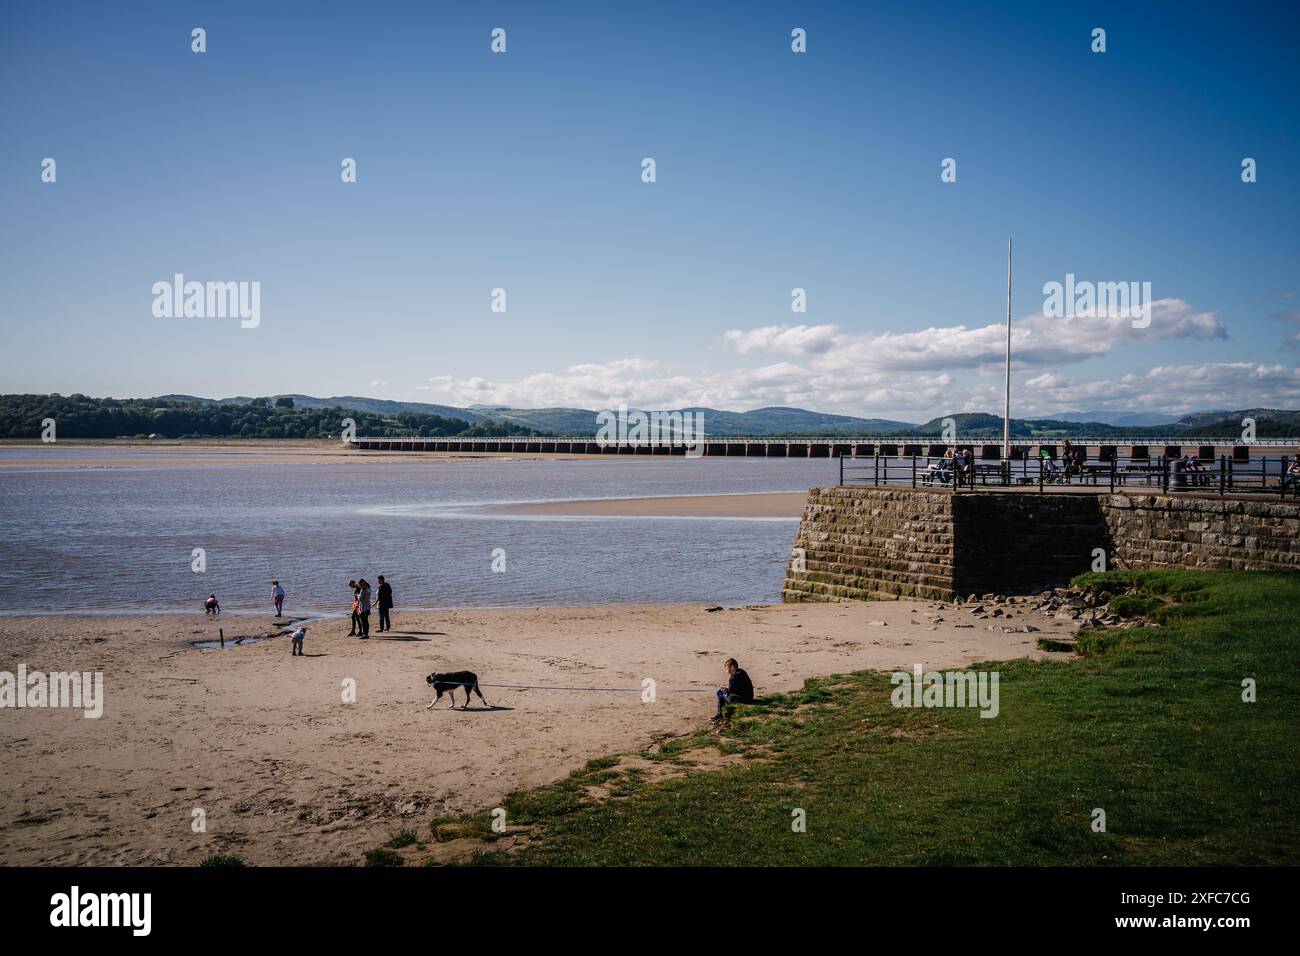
x,y
740,689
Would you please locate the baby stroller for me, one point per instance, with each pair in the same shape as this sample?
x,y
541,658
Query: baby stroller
x,y
1054,474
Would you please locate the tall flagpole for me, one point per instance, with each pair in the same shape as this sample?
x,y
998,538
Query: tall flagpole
x,y
1006,407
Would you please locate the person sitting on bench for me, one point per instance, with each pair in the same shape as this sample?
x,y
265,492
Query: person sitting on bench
x,y
940,470
1292,477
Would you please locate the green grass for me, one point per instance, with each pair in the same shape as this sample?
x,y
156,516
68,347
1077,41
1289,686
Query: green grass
x,y
1147,724
383,856
403,838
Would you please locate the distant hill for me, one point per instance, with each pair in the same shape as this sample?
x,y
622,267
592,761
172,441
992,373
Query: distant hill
x,y
582,421
376,406
1117,418
779,420
771,422
1273,416
1269,423
79,416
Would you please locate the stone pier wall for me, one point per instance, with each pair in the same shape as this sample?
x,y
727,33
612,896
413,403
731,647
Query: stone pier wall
x,y
1021,543
873,543
865,544
1181,532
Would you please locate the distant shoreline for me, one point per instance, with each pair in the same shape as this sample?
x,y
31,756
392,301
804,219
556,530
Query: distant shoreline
x,y
211,452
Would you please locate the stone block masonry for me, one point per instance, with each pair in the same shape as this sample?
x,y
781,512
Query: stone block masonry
x,y
867,544
1185,532
859,543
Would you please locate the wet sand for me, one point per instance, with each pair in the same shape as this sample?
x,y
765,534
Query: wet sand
x,y
287,772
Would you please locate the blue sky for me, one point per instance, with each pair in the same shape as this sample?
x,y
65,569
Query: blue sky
x,y
775,170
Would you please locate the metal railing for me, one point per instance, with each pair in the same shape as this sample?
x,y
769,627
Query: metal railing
x,y
1221,476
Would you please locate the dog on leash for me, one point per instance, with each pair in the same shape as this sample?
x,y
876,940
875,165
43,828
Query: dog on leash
x,y
447,684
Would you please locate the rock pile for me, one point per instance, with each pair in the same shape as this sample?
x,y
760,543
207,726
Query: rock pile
x,y
1080,610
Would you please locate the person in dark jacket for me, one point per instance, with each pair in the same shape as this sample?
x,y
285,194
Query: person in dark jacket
x,y
385,604
739,690
363,596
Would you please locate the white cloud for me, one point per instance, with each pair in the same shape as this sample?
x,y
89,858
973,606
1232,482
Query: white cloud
x,y
792,339
1174,388
1035,339
912,394
913,375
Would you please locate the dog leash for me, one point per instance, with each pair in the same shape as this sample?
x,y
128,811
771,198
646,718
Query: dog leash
x,y
622,690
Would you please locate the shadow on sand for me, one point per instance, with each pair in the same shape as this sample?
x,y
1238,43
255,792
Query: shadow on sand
x,y
475,710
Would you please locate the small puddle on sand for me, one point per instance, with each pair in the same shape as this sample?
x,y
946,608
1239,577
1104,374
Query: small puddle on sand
x,y
236,641
230,642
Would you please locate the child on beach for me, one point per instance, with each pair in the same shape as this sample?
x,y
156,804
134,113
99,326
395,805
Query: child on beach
x,y
277,595
295,648
356,608
210,606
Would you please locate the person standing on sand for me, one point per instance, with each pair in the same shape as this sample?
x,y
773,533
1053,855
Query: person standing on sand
x,y
277,595
295,646
212,606
356,609
385,605
739,690
363,599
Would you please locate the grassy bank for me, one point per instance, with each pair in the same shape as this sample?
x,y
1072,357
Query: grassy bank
x,y
1147,724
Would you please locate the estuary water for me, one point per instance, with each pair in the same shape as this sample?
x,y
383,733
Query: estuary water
x,y
87,540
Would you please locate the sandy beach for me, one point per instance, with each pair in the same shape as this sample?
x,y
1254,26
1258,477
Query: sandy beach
x,y
288,773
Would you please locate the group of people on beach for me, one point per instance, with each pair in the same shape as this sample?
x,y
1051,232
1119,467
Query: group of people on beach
x,y
361,604
739,689
361,607
212,607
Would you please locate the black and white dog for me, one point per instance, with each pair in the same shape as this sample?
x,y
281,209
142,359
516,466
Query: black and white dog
x,y
447,684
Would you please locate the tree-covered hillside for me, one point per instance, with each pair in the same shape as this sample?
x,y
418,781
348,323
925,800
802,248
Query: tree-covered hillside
x,y
77,416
